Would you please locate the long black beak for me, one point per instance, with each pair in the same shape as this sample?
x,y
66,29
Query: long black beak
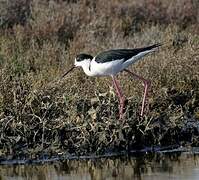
x,y
68,71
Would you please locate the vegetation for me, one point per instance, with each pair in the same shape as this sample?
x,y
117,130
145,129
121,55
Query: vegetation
x,y
39,112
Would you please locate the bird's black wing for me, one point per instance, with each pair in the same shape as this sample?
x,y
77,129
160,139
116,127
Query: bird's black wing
x,y
125,54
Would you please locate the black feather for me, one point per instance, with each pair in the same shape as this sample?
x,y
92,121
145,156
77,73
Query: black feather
x,y
124,54
82,56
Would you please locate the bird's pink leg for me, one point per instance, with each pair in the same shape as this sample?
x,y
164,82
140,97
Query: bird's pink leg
x,y
120,95
147,84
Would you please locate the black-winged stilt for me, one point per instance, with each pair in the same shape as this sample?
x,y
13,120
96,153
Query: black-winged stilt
x,y
110,63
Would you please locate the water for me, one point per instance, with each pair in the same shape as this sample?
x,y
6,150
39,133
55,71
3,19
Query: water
x,y
151,166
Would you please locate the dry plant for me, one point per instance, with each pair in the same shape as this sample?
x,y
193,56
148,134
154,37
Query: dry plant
x,y
78,114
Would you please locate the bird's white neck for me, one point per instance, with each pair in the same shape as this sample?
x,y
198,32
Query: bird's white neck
x,y
86,65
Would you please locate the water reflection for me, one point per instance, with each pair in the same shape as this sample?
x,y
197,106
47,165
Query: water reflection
x,y
150,166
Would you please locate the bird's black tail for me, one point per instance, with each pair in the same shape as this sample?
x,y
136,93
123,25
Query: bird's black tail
x,y
151,47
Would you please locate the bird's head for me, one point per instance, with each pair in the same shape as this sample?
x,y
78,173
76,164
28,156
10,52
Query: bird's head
x,y
80,60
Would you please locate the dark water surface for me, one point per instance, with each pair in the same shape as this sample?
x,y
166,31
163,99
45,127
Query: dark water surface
x,y
149,166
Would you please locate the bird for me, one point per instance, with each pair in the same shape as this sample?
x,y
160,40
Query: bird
x,y
110,63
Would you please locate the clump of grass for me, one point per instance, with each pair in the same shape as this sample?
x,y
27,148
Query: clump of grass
x,y
41,113
14,12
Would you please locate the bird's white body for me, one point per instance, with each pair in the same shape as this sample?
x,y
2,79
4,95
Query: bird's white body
x,y
111,68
